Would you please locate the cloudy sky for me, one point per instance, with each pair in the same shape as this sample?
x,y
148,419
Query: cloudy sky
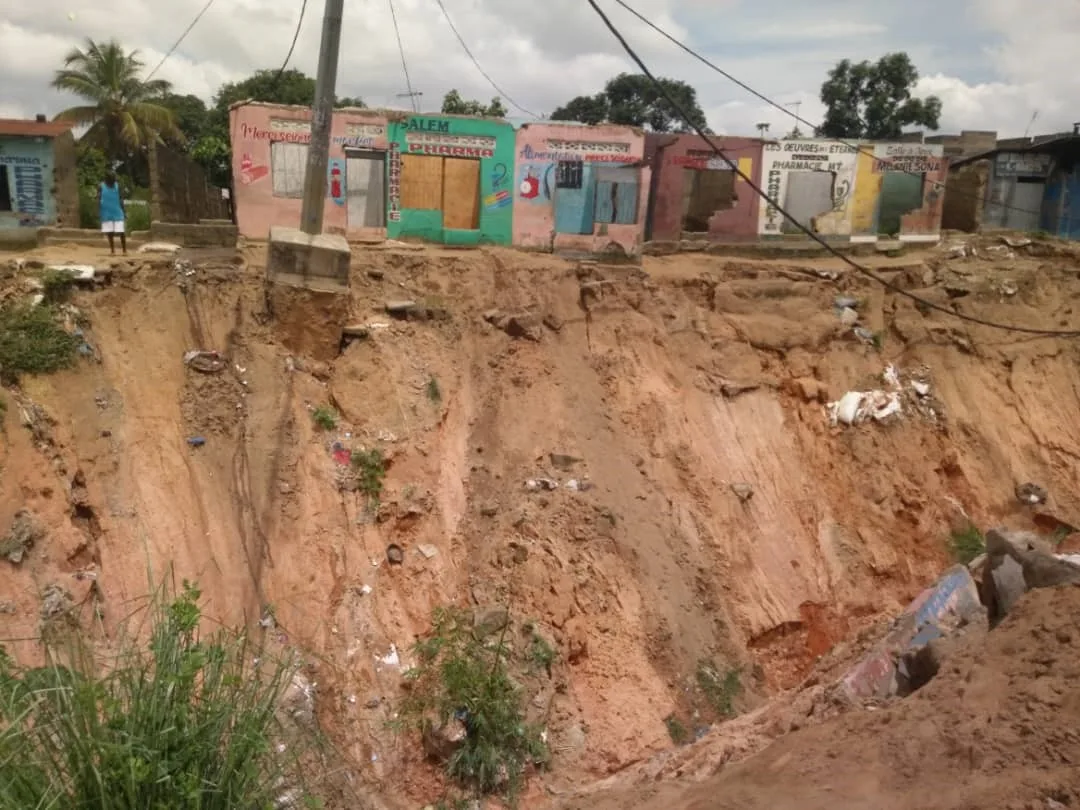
x,y
994,63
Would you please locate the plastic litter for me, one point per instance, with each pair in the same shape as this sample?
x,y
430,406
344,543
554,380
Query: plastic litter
x,y
537,484
206,362
196,441
858,406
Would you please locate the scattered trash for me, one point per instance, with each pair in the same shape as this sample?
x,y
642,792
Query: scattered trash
x,y
79,272
391,659
206,362
365,590
920,388
427,550
394,554
196,441
864,334
159,247
1008,288
743,491
842,302
848,316
1030,494
537,484
858,406
579,486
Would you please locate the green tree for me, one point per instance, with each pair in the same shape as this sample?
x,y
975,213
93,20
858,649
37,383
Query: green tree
x,y
454,104
873,100
123,113
633,100
190,113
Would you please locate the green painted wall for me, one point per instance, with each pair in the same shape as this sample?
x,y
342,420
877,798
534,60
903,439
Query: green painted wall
x,y
447,135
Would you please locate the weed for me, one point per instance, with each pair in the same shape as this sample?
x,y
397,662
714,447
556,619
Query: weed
x,y
370,469
719,691
33,342
1060,533
325,417
409,492
56,285
676,730
3,407
462,674
183,721
878,339
434,393
541,654
967,544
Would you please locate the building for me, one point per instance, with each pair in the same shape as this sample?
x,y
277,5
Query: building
x,y
269,152
449,179
577,188
695,193
38,185
1031,184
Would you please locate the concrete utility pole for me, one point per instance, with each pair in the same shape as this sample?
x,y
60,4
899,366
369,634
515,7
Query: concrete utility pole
x,y
311,212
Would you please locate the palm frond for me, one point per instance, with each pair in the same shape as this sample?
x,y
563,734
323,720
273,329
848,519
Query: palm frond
x,y
80,116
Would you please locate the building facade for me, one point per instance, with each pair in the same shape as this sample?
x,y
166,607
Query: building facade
x,y
449,180
579,188
696,194
269,152
38,186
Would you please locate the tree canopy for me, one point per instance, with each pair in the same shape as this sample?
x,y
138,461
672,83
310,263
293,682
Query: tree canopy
x,y
632,100
454,104
873,100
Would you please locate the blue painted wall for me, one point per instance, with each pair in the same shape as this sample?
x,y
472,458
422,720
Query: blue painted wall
x,y
1069,226
28,164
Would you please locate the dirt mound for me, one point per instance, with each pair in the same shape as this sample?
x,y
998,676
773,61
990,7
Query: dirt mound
x,y
997,727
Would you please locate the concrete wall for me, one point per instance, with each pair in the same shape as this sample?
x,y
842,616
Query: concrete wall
x,y
179,191
674,159
965,191
29,163
794,174
535,179
1014,201
65,181
254,127
968,142
424,148
921,224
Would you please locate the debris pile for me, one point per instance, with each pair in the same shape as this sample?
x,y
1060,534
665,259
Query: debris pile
x,y
910,390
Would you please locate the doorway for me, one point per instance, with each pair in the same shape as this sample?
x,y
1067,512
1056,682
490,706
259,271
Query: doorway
x,y
705,191
5,189
365,189
901,193
450,186
809,194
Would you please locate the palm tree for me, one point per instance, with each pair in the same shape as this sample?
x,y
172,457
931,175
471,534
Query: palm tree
x,y
124,114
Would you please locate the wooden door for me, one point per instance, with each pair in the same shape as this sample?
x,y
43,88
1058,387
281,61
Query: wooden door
x,y
421,182
461,194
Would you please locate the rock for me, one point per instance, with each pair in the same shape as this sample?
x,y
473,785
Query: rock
x,y
356,330
577,641
493,316
378,275
55,601
848,316
489,509
731,389
743,491
490,620
1002,586
394,554
441,740
523,326
553,322
319,370
563,461
1041,569
428,550
1030,494
299,700
24,532
843,302
400,309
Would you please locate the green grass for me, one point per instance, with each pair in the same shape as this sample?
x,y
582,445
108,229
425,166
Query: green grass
x,y
541,654
33,342
182,722
676,730
434,393
719,690
966,544
369,467
459,671
325,417
56,285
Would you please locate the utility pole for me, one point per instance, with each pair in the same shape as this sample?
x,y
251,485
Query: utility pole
x,y
311,211
412,96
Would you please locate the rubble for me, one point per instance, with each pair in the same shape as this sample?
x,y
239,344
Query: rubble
x,y
25,531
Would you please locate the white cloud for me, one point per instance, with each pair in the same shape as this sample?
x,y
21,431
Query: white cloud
x,y
1007,59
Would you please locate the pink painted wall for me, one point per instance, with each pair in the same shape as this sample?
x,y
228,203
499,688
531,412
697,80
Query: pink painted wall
x,y
534,217
253,127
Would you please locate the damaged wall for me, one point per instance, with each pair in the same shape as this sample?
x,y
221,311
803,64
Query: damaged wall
x,y
179,190
694,192
965,190
814,181
906,183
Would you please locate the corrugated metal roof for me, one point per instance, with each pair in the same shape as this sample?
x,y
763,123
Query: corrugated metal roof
x,y
41,129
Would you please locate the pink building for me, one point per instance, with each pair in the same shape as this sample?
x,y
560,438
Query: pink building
x,y
580,188
269,148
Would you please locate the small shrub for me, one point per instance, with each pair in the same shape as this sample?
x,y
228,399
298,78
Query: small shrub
x,y
369,467
541,654
325,417
878,339
33,342
56,285
462,674
434,393
967,544
676,730
719,690
136,216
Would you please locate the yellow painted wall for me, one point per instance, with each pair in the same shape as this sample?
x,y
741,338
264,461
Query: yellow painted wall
x,y
867,192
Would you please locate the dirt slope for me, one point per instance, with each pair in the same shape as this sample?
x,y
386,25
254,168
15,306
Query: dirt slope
x,y
664,390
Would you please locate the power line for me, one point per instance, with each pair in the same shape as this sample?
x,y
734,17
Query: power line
x,y
483,73
775,204
782,108
181,39
292,45
404,66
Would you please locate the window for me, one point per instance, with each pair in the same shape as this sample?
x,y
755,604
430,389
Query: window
x,y
569,173
616,196
5,189
288,164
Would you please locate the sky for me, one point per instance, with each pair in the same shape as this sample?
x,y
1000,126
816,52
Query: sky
x,y
994,63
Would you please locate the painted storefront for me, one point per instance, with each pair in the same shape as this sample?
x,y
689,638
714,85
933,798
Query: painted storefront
x,y
696,193
33,185
579,188
450,180
899,192
269,146
1018,184
814,181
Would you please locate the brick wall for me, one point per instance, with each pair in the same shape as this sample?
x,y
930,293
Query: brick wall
x,y
965,190
65,181
179,191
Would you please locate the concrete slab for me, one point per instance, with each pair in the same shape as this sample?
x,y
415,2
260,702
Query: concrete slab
x,y
298,259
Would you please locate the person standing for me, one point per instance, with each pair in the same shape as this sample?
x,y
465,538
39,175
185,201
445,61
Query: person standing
x,y
111,208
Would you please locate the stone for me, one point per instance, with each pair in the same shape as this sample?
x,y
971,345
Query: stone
x,y
400,308
55,601
24,532
355,330
377,275
441,740
553,322
489,509
1002,586
1031,494
293,255
490,620
848,316
1041,568
563,461
577,641
523,326
428,550
744,492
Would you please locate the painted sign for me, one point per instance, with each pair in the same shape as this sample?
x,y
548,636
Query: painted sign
x,y
582,151
498,199
1019,164
285,130
911,158
336,180
29,187
779,158
394,186
446,145
250,171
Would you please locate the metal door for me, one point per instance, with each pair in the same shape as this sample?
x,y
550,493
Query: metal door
x,y
808,195
365,190
1025,205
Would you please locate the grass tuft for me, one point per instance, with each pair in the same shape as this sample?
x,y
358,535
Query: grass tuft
x,y
325,417
369,466
966,544
56,285
676,730
32,341
719,690
434,392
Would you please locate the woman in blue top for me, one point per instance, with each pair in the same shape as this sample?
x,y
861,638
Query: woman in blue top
x,y
111,207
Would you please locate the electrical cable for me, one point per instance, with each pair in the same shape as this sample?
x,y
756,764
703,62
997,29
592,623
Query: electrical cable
x,y
483,73
764,196
803,121
176,44
404,66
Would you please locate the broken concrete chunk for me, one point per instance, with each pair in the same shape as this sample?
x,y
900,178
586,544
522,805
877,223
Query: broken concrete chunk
x,y
523,326
848,316
159,247
355,330
1030,494
1041,568
400,309
490,620
24,532
55,601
